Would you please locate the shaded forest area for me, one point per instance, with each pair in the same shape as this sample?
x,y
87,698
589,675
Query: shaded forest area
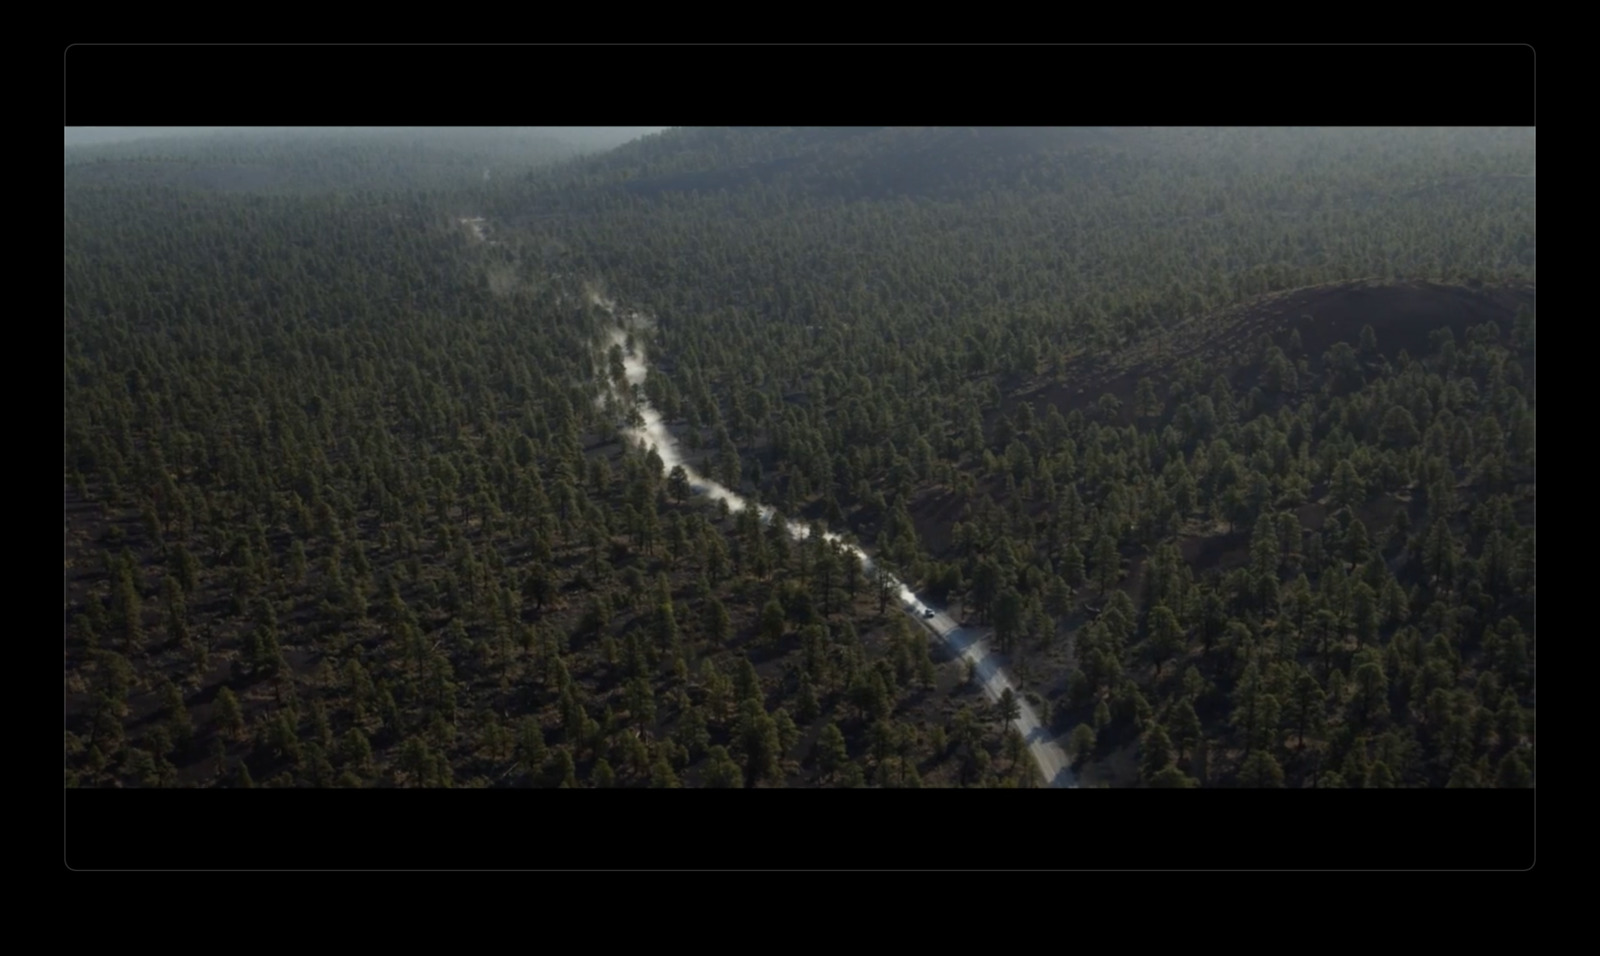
x,y
1227,434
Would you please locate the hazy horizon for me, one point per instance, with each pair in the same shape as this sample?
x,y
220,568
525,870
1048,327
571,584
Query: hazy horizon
x,y
577,135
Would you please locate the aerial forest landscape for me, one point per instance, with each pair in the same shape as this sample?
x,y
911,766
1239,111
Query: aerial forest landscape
x,y
800,457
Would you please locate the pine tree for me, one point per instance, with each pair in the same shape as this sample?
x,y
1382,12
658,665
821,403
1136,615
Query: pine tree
x,y
678,483
1260,770
1185,726
749,683
1172,778
722,772
229,715
1348,488
1513,773
531,750
641,702
773,623
1008,619
1308,704
357,751
1107,564
661,775
1463,777
718,626
1083,742
1072,566
788,733
806,707
560,772
130,610
1007,708
758,738
179,723
831,753
1156,753
927,675
1166,636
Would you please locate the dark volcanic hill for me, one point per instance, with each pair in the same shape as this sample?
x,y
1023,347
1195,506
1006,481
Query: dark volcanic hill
x,y
1403,317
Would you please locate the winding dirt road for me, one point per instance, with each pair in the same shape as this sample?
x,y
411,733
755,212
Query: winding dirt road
x,y
652,432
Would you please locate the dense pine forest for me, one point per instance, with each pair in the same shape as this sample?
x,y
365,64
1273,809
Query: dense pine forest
x,y
1225,438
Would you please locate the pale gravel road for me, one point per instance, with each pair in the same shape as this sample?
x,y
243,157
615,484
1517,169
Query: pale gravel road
x,y
970,645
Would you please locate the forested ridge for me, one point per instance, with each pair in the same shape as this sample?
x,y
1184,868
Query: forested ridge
x,y
354,160
345,505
